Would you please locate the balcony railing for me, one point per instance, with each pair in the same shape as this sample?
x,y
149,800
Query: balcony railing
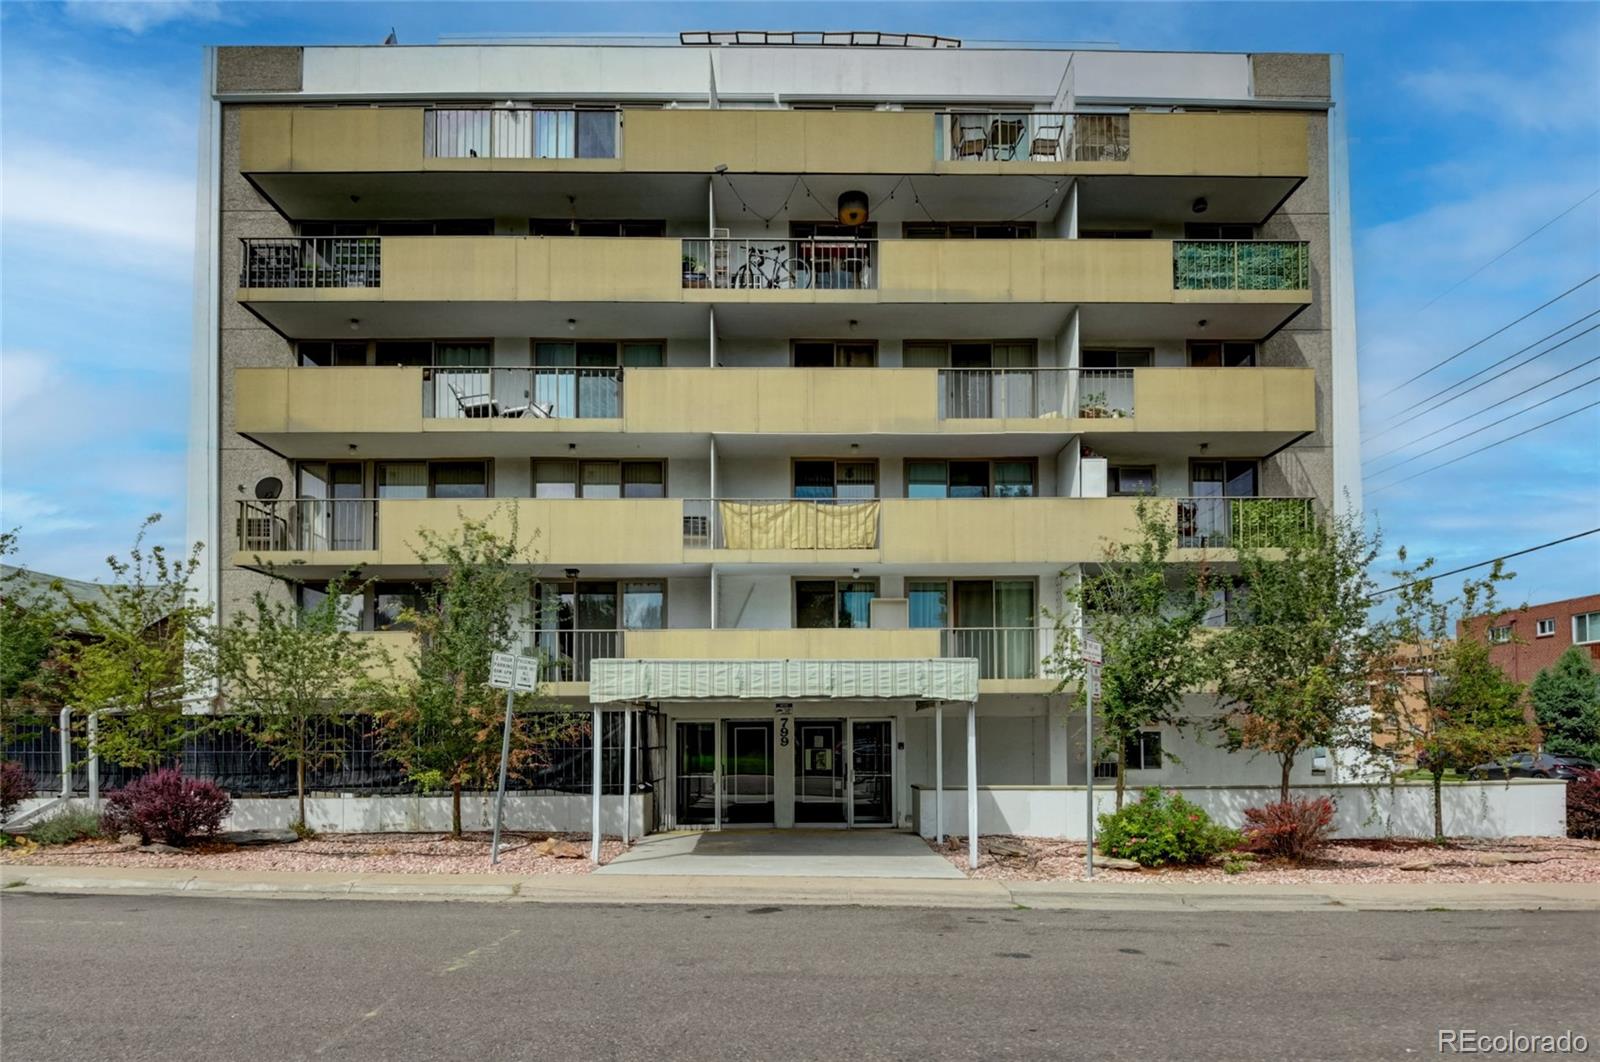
x,y
1001,652
1236,523
1031,393
833,263
307,524
780,523
1240,265
1031,136
567,654
312,262
533,393
520,133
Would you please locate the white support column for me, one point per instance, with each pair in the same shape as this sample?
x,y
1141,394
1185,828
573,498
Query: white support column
x,y
938,773
711,345
94,759
627,776
594,804
65,720
972,784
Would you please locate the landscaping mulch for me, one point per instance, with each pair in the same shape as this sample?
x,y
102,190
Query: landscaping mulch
x,y
1346,862
365,853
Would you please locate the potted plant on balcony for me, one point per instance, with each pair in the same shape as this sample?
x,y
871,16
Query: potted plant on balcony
x,y
1092,406
694,275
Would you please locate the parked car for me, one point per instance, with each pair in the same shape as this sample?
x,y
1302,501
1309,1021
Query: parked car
x,y
1533,765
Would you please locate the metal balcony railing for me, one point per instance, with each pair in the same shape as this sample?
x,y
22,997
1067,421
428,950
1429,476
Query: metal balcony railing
x,y
1001,652
1030,136
1240,265
567,654
1034,392
780,523
451,392
833,262
312,262
1234,523
520,133
306,524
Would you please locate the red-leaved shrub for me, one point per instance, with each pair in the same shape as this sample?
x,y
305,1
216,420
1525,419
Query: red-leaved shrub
x,y
164,805
1289,829
15,787
1583,805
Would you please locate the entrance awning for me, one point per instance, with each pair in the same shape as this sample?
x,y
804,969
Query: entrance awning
x,y
934,679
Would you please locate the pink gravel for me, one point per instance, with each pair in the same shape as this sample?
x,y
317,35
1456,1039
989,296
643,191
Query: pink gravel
x,y
1341,863
366,853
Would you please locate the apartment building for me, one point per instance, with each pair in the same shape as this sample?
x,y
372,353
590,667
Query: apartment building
x,y
815,363
1525,642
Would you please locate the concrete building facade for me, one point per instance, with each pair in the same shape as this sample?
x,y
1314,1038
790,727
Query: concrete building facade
x,y
815,367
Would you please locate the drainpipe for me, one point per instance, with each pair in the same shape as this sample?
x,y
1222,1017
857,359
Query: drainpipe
x,y
94,759
66,753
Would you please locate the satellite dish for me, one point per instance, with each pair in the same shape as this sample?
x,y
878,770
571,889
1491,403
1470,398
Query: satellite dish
x,y
269,488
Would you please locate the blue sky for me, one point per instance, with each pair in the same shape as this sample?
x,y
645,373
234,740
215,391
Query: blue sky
x,y
1471,125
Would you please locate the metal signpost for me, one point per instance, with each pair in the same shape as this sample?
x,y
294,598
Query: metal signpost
x,y
1092,659
514,674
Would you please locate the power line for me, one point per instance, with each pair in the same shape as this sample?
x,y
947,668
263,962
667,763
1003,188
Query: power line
x,y
1485,409
1413,413
1481,564
1481,449
1486,427
1473,346
1508,250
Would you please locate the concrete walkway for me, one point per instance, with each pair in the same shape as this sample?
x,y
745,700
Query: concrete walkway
x,y
784,853
735,890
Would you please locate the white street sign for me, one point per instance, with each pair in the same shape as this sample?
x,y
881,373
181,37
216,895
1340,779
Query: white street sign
x,y
527,676
503,671
1092,653
1094,678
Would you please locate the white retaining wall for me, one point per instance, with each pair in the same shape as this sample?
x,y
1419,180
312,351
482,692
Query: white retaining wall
x,y
1523,808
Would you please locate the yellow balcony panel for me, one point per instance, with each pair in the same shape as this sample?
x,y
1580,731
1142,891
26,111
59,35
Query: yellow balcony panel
x,y
1002,530
1218,145
276,401
330,139
780,400
738,644
777,141
1225,400
566,531
398,646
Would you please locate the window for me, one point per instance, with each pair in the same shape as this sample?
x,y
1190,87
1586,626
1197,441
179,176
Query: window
x,y
459,479
402,479
971,603
565,478
805,230
644,605
968,230
1142,751
321,353
970,479
1128,480
1218,230
834,602
929,602
1115,359
596,227
1499,635
1228,478
826,353
1586,628
1216,354
391,602
405,227
846,480
1545,628
987,354
391,352
598,354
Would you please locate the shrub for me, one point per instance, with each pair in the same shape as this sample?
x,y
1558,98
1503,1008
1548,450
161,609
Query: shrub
x,y
166,806
1162,828
15,787
64,827
1583,805
1289,829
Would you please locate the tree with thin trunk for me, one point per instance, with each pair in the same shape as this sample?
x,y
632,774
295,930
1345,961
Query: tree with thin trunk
x,y
291,677
1147,613
1291,671
444,725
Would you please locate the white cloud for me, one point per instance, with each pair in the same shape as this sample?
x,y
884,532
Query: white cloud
x,y
36,514
50,189
136,16
1557,94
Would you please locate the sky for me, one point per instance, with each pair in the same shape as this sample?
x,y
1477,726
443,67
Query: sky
x,y
1471,126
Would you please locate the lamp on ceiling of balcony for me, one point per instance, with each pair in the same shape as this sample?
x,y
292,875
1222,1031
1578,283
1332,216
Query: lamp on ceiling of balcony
x,y
853,208
1200,205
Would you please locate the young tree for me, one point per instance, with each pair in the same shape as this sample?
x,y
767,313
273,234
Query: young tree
x,y
31,619
284,673
1443,700
141,655
1566,703
1148,629
1291,671
444,725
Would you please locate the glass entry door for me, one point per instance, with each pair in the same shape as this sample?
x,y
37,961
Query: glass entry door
x,y
747,785
819,772
697,774
871,773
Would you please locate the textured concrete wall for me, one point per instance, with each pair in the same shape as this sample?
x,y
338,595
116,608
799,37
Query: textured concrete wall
x,y
264,69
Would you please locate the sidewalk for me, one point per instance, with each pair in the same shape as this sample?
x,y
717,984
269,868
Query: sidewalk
x,y
1104,895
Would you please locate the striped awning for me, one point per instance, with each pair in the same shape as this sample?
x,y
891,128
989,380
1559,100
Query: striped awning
x,y
935,679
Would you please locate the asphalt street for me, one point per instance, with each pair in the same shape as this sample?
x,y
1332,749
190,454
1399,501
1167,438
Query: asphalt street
x,y
178,978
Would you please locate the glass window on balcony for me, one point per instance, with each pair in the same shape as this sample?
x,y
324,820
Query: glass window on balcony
x,y
969,230
390,604
1116,358
1218,230
459,479
844,480
644,605
402,479
651,355
352,607
582,378
1224,478
970,479
929,603
1129,480
597,227
827,353
322,353
1220,354
403,352
821,603
562,478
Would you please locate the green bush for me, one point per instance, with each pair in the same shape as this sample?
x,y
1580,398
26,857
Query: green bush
x,y
1163,828
64,827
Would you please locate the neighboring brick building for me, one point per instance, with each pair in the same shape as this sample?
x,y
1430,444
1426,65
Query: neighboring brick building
x,y
1525,642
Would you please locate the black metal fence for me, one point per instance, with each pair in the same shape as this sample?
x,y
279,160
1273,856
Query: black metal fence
x,y
213,750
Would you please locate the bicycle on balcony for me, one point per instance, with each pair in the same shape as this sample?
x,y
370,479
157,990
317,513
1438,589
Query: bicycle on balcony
x,y
768,267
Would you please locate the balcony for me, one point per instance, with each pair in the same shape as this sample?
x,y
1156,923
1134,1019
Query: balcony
x,y
793,524
1240,523
520,133
778,265
1030,136
1240,265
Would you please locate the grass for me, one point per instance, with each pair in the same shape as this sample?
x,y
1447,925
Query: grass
x,y
64,827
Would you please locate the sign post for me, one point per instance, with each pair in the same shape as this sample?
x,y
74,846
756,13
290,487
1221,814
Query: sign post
x,y
1092,659
514,674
